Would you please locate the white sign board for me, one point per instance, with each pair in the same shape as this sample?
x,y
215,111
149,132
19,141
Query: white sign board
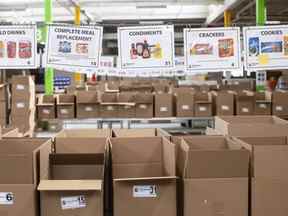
x,y
18,47
212,49
146,47
266,47
74,46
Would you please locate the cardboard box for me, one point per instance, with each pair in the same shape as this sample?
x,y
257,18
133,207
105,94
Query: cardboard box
x,y
143,132
10,132
280,103
20,175
126,108
65,106
3,92
87,104
108,110
25,124
46,107
144,105
268,174
263,104
144,181
224,103
210,185
164,105
245,101
23,87
21,108
3,111
203,104
74,185
257,126
185,104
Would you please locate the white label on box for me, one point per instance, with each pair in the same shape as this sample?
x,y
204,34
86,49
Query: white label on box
x,y
46,111
263,106
20,87
127,107
202,109
245,110
143,106
110,108
20,105
88,109
6,198
145,191
185,107
64,111
163,109
74,202
224,107
279,108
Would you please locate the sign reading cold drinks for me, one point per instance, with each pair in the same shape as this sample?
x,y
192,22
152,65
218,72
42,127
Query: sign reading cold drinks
x,y
18,46
212,49
72,46
266,47
146,47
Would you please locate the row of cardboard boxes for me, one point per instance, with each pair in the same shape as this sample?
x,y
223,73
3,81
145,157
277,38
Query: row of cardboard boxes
x,y
184,102
148,172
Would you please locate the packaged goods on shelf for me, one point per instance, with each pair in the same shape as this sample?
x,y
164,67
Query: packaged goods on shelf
x,y
163,105
245,101
87,104
203,104
209,182
65,104
223,103
263,103
144,105
184,99
46,108
280,103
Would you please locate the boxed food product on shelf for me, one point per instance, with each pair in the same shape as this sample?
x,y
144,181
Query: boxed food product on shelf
x,y
263,103
163,105
269,162
280,103
144,182
245,101
65,106
209,182
20,175
184,98
109,105
223,103
46,107
143,132
87,104
203,104
126,108
251,126
144,105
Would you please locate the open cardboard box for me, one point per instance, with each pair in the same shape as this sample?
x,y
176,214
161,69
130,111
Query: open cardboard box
x,y
65,106
209,182
19,165
268,171
144,179
251,126
143,132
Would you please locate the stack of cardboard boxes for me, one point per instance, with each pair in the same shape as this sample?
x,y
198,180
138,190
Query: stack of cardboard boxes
x,y
23,104
3,105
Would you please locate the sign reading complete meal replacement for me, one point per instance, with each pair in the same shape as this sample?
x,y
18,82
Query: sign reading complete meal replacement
x,y
146,47
266,47
212,49
18,47
74,46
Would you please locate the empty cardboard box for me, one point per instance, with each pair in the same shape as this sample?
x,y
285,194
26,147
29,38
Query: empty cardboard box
x,y
144,181
210,185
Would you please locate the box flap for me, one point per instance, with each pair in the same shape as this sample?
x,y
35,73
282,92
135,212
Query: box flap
x,y
146,179
70,185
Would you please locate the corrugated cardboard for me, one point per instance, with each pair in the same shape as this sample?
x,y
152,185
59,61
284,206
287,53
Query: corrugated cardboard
x,y
3,111
3,92
224,103
127,108
280,103
46,107
23,87
269,163
263,103
143,132
203,104
144,181
65,106
20,175
10,132
185,104
144,105
164,105
245,101
21,108
256,126
25,124
210,185
87,104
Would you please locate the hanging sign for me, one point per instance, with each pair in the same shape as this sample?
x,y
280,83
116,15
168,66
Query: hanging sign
x,y
266,47
212,49
146,47
18,46
74,46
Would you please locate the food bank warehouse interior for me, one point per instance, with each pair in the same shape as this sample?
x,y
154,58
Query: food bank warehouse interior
x,y
153,108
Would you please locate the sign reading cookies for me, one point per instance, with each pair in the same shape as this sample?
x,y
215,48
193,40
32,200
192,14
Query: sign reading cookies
x,y
212,49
